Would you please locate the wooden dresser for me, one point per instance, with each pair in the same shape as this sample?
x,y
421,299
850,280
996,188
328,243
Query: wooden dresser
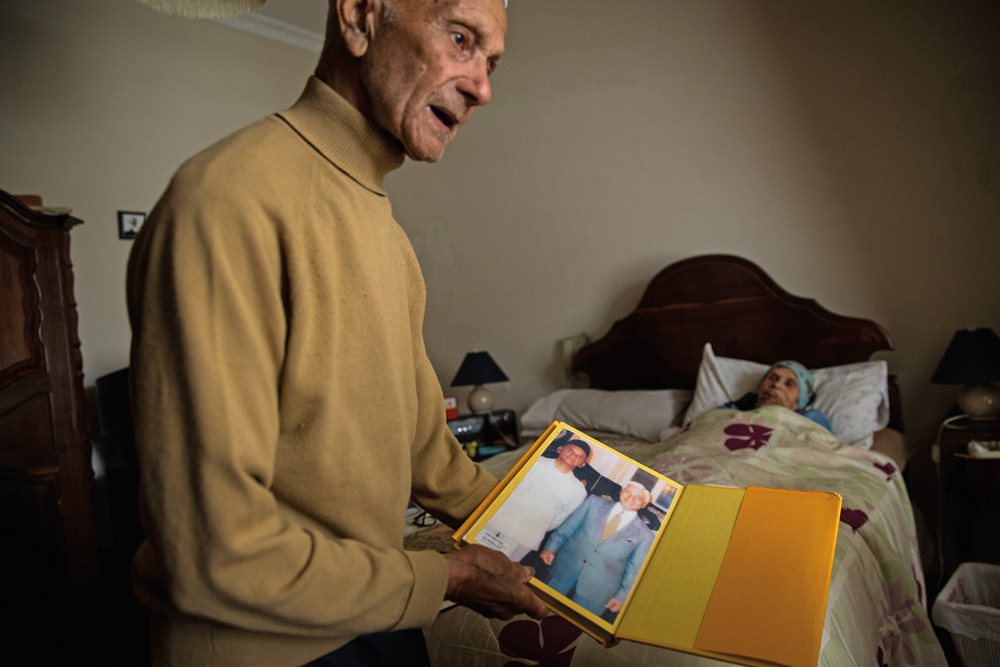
x,y
47,525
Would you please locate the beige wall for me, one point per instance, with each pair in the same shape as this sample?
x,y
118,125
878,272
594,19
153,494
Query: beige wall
x,y
850,149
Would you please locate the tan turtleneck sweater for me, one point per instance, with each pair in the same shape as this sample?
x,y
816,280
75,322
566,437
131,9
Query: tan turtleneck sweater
x,y
284,405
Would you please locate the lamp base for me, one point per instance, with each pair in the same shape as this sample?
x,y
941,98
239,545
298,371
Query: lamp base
x,y
480,400
980,401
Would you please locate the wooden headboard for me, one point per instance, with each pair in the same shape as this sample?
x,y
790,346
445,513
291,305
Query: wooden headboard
x,y
733,304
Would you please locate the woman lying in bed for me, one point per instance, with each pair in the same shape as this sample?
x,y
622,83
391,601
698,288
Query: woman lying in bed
x,y
788,384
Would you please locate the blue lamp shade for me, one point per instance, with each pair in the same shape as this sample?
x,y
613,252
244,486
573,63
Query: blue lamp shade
x,y
973,359
477,369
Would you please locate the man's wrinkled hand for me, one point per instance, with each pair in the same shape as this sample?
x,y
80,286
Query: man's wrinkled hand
x,y
490,583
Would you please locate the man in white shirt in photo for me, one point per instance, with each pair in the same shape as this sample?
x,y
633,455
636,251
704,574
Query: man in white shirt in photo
x,y
543,499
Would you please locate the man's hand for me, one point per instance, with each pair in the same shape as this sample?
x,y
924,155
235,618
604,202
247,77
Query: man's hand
x,y
613,605
490,583
547,556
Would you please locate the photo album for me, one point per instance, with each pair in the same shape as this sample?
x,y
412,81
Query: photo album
x,y
624,552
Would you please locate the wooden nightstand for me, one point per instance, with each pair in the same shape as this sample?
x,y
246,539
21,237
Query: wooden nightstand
x,y
970,495
485,435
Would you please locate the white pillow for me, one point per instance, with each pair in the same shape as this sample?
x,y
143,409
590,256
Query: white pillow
x,y
641,414
855,397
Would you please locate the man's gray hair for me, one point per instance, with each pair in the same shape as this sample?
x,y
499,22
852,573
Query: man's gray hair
x,y
389,9
640,487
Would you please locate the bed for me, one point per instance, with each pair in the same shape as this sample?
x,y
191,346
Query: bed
x,y
701,334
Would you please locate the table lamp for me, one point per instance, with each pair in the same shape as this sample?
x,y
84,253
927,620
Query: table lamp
x,y
478,368
973,359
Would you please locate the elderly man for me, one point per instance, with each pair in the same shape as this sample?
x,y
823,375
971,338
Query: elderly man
x,y
597,552
285,408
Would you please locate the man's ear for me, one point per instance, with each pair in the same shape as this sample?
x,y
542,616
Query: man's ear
x,y
357,19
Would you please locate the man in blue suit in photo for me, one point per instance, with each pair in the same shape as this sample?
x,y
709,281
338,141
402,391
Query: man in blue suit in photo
x,y
597,552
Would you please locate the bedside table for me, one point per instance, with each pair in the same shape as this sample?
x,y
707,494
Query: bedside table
x,y
970,495
485,435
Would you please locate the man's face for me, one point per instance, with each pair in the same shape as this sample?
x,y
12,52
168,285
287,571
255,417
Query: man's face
x,y
428,68
632,499
779,387
572,456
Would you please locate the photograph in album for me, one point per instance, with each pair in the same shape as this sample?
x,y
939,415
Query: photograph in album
x,y
585,517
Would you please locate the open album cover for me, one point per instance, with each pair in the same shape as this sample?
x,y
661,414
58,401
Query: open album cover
x,y
624,552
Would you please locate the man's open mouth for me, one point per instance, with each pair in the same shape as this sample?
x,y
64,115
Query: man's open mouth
x,y
445,117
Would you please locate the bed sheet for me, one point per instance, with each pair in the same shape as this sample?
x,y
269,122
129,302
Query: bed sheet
x,y
876,613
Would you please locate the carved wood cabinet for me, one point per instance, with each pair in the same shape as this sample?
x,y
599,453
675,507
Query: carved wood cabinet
x,y
49,540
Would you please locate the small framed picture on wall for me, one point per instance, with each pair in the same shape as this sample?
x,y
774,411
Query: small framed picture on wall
x,y
129,223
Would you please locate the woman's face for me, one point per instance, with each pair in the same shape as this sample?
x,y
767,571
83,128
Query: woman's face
x,y
779,387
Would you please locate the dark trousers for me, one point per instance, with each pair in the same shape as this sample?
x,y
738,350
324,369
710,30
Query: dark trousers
x,y
379,649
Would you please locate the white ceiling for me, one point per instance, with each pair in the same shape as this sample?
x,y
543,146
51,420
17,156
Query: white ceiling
x,y
300,23
306,14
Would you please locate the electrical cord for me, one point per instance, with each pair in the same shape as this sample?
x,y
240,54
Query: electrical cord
x,y
940,497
